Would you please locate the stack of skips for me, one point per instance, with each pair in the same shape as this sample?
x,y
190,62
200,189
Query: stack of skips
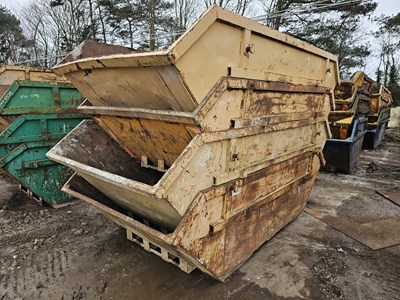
x,y
357,120
37,109
200,153
378,118
203,151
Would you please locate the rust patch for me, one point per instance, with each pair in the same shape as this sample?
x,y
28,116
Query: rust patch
x,y
270,180
275,86
273,103
157,140
90,48
247,230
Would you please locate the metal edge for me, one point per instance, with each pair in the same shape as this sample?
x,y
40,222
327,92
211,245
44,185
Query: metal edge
x,y
161,115
183,43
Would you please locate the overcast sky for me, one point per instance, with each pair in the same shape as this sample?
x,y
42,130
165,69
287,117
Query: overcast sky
x,y
385,7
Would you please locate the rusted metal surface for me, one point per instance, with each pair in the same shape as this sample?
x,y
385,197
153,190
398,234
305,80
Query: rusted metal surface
x,y
90,48
359,101
164,137
344,90
185,181
361,80
207,238
250,166
348,122
380,101
155,140
202,169
355,94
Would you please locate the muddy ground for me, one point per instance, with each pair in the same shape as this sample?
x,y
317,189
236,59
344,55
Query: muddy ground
x,y
76,253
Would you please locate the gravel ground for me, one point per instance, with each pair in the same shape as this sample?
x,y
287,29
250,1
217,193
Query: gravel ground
x,y
75,253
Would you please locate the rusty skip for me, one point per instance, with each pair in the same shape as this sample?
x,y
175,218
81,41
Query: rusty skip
x,y
187,154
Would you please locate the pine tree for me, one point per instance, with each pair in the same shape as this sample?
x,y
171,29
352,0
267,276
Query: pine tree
x,y
156,20
333,28
12,39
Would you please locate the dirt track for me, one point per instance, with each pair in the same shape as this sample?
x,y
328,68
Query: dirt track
x,y
75,253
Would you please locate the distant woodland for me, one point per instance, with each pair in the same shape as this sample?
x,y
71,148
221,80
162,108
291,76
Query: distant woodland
x,y
43,31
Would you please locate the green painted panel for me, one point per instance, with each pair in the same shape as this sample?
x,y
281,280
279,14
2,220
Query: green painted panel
x,y
70,97
44,179
23,148
39,114
39,97
41,127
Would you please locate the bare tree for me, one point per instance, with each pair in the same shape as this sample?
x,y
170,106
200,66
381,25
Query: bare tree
x,y
56,27
242,6
223,3
237,6
101,18
185,13
39,30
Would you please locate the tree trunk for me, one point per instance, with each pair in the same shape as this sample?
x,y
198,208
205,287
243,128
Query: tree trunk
x,y
103,29
130,31
152,21
92,27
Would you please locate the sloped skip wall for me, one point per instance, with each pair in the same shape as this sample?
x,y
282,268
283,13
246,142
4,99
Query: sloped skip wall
x,y
180,77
